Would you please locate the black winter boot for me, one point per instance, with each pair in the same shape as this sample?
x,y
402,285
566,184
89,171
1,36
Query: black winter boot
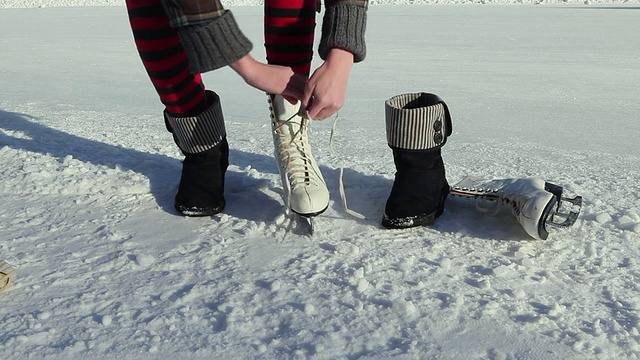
x,y
202,139
417,127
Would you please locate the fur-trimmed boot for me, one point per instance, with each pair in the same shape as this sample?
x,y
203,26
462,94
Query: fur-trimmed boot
x,y
202,139
305,191
418,125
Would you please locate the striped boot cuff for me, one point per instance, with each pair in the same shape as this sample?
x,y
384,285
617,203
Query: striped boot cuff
x,y
417,121
195,134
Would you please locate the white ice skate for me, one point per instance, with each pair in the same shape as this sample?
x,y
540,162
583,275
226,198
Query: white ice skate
x,y
305,191
534,202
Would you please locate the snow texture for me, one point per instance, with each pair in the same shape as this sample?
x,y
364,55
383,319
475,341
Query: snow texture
x,y
107,270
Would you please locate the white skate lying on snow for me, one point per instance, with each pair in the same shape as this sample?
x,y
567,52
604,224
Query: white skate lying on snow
x,y
535,202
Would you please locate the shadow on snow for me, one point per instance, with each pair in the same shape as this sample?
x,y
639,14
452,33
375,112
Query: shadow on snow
x,y
163,173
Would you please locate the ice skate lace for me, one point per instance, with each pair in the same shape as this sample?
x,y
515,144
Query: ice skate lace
x,y
299,171
296,153
495,204
489,206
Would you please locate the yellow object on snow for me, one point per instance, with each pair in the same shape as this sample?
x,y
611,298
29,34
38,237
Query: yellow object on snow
x,y
7,274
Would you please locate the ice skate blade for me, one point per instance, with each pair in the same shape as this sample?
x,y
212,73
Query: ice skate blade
x,y
302,224
566,213
567,210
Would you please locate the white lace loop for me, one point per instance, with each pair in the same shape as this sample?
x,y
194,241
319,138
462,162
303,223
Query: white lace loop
x,y
343,195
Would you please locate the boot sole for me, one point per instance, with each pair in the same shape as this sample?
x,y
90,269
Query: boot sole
x,y
311,214
410,221
192,211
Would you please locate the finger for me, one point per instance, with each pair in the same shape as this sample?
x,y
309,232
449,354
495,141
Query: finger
x,y
322,115
304,111
309,91
313,108
326,112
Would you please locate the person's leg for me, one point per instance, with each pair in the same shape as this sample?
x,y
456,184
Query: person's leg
x,y
192,115
164,58
289,27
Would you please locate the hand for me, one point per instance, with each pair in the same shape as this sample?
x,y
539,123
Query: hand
x,y
273,79
327,88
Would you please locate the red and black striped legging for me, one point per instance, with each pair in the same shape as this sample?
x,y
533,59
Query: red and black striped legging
x,y
289,28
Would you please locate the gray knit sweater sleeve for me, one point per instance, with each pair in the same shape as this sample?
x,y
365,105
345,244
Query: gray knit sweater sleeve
x,y
214,44
343,27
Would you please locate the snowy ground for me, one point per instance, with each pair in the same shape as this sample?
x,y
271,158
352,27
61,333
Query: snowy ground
x,y
107,270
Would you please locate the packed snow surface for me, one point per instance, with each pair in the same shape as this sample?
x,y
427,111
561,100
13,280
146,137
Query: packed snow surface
x,y
107,270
